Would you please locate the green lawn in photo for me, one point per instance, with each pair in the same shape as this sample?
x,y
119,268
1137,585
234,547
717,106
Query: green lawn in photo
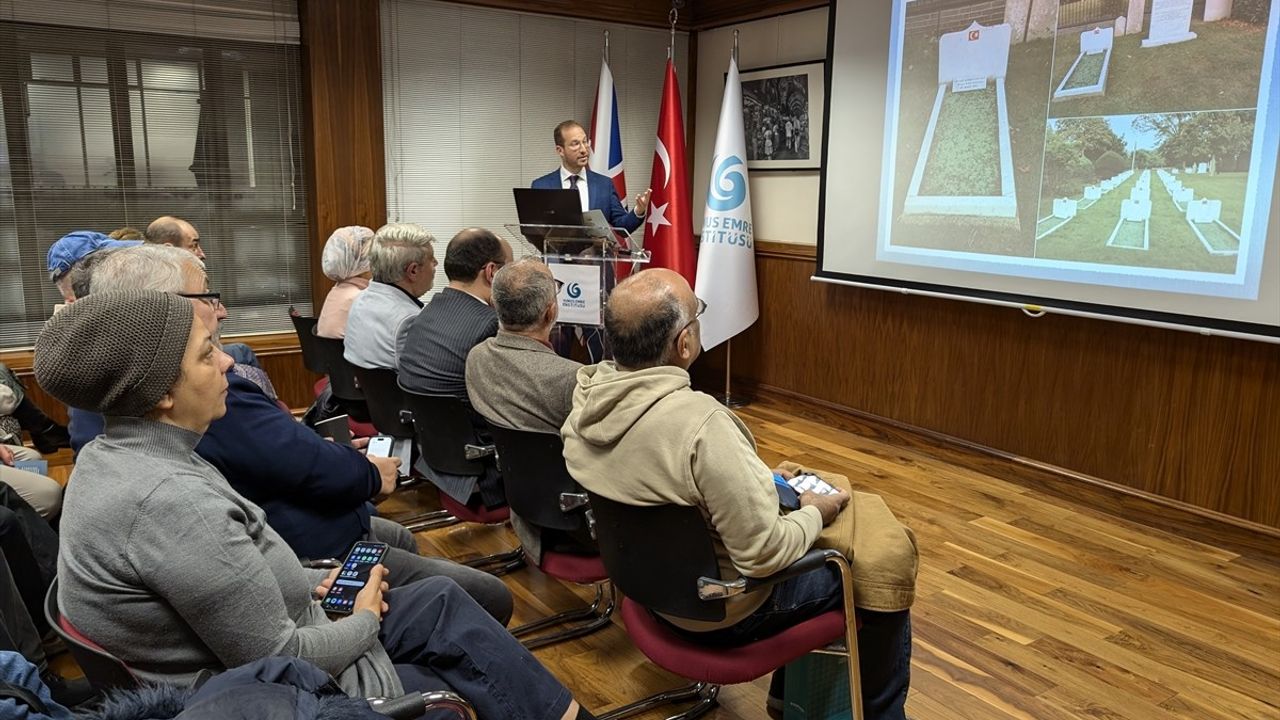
x,y
1027,87
1129,236
1173,244
1227,187
1088,71
1220,69
965,156
1218,238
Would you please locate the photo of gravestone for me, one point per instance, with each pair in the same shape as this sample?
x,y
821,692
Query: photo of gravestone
x,y
965,166
1160,190
1124,57
1088,74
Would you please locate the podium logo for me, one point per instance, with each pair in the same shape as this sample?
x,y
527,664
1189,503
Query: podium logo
x,y
573,290
728,186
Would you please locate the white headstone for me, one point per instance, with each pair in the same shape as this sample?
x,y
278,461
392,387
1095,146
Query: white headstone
x,y
1175,171
1064,208
1204,211
1092,192
1135,210
974,54
1183,195
1216,10
1120,23
1202,168
1170,23
1096,40
1140,193
1108,185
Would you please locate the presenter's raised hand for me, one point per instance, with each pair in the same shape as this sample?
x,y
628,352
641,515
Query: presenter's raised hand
x,y
642,203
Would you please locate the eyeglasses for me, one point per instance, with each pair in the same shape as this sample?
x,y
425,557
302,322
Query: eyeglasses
x,y
559,285
212,299
702,308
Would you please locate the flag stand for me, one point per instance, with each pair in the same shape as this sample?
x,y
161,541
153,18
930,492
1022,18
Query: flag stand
x,y
730,400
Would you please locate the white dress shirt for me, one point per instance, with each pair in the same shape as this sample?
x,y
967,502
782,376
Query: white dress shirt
x,y
582,185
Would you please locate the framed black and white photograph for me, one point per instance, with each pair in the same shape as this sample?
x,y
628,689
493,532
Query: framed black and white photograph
x,y
782,111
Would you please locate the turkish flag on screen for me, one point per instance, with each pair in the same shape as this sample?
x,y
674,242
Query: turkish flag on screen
x,y
668,232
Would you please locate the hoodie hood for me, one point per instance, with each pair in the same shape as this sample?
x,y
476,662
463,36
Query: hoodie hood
x,y
607,401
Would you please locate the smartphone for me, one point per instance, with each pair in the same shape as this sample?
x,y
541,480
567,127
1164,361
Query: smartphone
x,y
352,576
812,483
787,496
337,428
380,446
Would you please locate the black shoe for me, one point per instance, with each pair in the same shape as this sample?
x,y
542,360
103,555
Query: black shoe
x,y
51,438
68,692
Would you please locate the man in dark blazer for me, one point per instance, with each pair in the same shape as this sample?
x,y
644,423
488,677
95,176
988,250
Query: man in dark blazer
x,y
597,190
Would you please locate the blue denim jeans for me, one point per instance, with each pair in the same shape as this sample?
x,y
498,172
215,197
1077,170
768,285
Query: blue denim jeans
x,y
884,642
441,639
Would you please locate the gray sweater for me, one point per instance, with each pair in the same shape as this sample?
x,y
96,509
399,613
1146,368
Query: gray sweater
x,y
170,570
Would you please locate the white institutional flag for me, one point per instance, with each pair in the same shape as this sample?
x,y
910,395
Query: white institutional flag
x,y
726,278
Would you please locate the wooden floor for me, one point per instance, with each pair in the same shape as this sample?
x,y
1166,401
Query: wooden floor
x,y
1031,604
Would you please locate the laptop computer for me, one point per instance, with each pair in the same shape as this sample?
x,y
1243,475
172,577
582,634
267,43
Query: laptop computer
x,y
535,207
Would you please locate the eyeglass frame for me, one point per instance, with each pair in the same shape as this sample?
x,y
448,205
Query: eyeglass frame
x,y
214,299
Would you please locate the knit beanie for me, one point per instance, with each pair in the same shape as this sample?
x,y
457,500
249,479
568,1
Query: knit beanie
x,y
114,353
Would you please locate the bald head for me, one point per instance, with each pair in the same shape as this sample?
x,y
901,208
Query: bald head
x,y
524,296
650,321
175,231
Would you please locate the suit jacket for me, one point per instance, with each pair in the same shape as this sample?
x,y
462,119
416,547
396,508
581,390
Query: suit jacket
x,y
601,195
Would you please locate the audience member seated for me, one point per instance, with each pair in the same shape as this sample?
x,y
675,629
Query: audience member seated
x,y
169,230
345,261
127,233
639,434
515,380
315,494
170,570
457,319
152,267
403,267
71,249
18,413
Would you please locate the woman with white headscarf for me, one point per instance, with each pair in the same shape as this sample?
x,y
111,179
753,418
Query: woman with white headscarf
x,y
346,262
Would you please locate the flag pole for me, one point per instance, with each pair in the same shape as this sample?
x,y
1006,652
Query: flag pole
x,y
671,46
729,400
606,46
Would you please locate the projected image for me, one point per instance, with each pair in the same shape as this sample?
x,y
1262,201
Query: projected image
x,y
970,126
1160,190
1115,57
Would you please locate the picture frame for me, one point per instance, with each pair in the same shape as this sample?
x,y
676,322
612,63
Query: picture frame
x,y
782,113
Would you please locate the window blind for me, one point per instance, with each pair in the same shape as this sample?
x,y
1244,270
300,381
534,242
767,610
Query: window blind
x,y
115,113
472,95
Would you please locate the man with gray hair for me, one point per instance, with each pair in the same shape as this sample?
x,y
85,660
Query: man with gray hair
x,y
516,380
403,266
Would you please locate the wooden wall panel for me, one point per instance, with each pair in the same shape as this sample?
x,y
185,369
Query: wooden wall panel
x,y
652,13
1175,414
715,13
342,103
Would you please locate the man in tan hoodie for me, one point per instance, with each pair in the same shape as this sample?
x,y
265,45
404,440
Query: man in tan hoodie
x,y
639,434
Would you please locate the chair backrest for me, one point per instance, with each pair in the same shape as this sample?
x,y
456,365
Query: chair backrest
x,y
534,475
385,399
656,554
312,357
341,379
442,424
103,670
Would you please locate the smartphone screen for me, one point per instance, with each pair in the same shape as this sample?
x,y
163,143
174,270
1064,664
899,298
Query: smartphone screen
x,y
380,446
812,483
352,576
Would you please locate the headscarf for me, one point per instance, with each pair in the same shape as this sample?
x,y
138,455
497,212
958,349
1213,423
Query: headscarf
x,y
346,253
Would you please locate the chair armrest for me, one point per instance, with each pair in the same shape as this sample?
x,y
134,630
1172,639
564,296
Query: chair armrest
x,y
713,589
406,417
572,501
414,705
475,452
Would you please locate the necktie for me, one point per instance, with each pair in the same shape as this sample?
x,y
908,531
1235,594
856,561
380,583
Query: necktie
x,y
573,182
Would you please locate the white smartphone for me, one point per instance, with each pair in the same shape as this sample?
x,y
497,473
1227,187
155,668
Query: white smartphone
x,y
380,446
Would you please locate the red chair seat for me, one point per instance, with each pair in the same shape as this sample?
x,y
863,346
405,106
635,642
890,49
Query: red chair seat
x,y
727,666
581,569
80,637
361,429
320,385
475,512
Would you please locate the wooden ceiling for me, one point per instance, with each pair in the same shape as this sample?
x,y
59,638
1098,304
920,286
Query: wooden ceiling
x,y
693,15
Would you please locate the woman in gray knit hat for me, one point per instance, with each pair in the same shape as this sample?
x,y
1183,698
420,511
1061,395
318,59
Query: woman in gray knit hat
x,y
173,572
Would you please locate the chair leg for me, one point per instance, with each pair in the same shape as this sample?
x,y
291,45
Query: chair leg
x,y
429,521
505,562
704,693
596,619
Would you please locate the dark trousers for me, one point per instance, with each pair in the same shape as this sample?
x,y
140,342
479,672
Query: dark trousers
x,y
440,639
884,641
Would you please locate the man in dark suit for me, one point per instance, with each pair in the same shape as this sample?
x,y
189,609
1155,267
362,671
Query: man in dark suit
x,y
597,190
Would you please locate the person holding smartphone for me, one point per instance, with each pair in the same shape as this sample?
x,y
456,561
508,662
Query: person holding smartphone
x,y
165,566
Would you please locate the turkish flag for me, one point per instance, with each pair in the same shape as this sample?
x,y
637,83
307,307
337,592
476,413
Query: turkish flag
x,y
668,232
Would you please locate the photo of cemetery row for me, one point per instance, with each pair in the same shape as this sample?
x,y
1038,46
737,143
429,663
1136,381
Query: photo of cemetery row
x,y
995,153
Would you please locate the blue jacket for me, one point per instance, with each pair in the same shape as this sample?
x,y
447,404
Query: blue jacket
x,y
315,493
601,195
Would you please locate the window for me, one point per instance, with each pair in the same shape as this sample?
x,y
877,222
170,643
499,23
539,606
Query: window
x,y
103,128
